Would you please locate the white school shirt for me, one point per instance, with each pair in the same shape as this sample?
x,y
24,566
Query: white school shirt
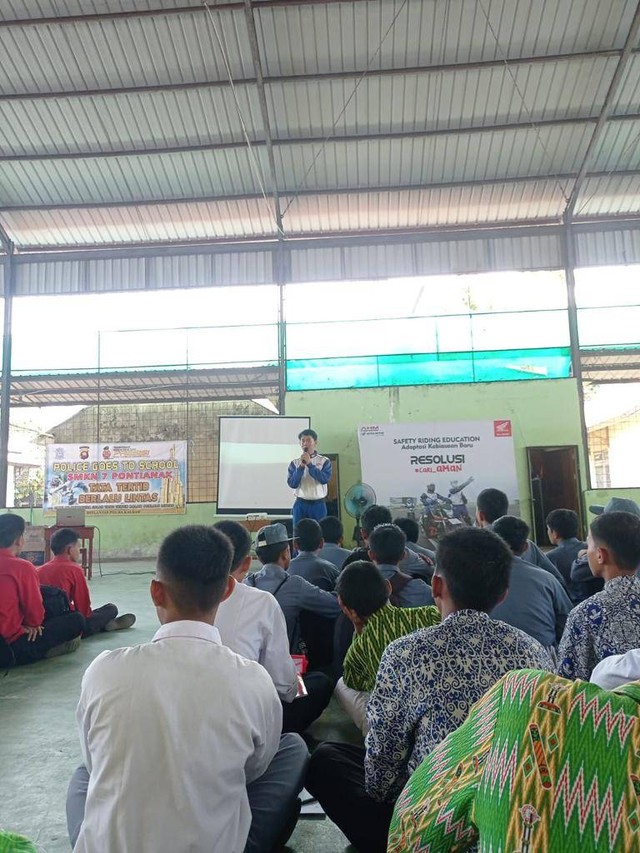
x,y
251,623
616,670
171,733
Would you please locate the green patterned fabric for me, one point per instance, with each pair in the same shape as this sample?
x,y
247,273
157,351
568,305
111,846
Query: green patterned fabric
x,y
383,627
541,764
10,843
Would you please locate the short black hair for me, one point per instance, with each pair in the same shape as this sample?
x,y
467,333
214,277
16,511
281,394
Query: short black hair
x,y
387,543
476,564
493,504
11,528
332,529
311,432
409,527
362,587
620,533
62,538
308,534
240,539
271,553
513,530
373,516
194,562
564,522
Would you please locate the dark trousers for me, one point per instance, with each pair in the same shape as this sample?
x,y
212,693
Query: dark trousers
x,y
99,618
317,633
336,779
298,715
56,631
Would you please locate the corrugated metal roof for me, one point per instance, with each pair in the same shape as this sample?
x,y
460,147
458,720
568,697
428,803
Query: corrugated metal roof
x,y
440,128
343,36
436,100
242,383
153,223
426,208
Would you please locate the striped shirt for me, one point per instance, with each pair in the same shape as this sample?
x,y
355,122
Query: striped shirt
x,y
383,627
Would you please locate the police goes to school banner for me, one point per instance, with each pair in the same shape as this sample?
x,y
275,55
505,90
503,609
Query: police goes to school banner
x,y
434,471
117,479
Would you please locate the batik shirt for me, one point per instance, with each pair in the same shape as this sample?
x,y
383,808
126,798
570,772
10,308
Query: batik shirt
x,y
383,627
426,685
606,624
542,765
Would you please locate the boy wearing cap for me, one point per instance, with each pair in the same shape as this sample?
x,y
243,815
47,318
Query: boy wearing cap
x,y
292,592
308,477
608,623
583,583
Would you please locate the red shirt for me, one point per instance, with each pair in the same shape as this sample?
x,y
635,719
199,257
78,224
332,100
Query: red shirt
x,y
67,576
20,596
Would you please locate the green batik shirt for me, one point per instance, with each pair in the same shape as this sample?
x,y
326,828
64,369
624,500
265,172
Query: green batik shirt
x,y
383,627
541,765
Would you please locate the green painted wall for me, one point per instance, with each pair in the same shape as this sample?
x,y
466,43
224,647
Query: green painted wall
x,y
132,537
543,413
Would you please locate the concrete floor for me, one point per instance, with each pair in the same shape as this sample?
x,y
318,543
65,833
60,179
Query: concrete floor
x,y
38,736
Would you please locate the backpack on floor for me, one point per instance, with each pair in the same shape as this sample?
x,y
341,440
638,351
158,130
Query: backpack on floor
x,y
55,602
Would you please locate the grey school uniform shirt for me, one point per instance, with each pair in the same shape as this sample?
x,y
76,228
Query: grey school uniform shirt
x,y
536,603
312,568
294,594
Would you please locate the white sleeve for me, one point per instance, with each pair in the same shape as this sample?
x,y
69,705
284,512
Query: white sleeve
x,y
275,657
267,724
616,670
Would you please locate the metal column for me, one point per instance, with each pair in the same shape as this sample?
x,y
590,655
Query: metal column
x,y
5,394
568,246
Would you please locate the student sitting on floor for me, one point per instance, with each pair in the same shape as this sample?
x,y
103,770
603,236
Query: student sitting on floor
x,y
27,634
251,623
426,684
363,595
536,603
387,548
562,530
64,572
181,737
418,561
492,504
296,596
307,538
608,623
541,764
333,535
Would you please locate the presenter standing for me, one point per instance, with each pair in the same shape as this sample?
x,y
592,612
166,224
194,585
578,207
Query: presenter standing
x,y
308,477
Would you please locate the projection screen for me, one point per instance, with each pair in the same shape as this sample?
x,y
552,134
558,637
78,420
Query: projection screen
x,y
253,457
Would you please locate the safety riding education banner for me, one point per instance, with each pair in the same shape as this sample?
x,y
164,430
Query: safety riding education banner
x,y
433,472
145,478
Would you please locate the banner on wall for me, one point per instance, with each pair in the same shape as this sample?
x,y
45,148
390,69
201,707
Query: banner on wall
x,y
433,472
145,478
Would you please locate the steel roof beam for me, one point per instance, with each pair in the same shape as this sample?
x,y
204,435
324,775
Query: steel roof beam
x,y
330,191
346,239
478,65
308,140
609,101
162,11
262,100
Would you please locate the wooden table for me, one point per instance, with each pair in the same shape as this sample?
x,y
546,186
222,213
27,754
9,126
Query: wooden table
x,y
85,535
